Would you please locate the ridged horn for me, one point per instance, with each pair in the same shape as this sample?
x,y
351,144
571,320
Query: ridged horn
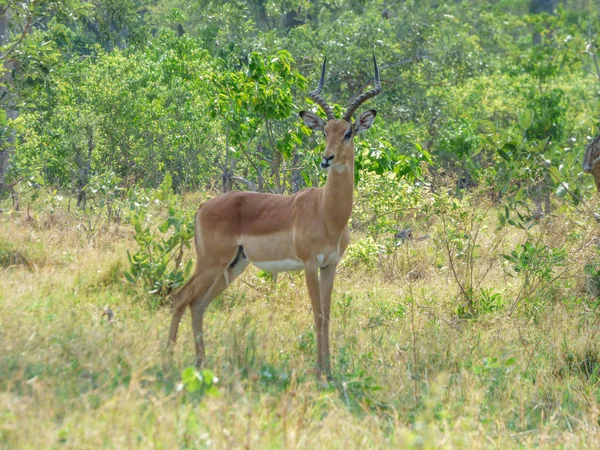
x,y
316,95
365,96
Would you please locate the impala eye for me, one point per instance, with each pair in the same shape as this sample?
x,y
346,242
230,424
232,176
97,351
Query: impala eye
x,y
348,135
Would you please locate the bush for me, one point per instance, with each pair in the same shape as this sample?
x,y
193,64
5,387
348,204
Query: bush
x,y
158,263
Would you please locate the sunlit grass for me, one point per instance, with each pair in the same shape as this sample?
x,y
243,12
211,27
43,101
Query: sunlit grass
x,y
408,370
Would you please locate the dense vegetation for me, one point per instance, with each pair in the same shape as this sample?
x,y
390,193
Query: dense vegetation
x,y
465,311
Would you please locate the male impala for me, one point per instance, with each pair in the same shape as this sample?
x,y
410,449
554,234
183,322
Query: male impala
x,y
306,231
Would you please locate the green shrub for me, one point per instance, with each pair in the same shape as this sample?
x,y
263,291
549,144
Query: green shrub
x,y
158,262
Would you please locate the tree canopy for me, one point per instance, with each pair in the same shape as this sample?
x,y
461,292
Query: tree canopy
x,y
489,92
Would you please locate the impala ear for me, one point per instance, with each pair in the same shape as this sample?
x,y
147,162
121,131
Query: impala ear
x,y
312,121
365,120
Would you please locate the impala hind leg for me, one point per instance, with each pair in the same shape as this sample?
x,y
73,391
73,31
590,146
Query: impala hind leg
x,y
200,304
196,287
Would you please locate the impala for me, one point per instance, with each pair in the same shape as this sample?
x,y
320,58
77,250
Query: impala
x,y
305,231
591,160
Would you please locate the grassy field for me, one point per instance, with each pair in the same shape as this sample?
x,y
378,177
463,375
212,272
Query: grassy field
x,y
411,369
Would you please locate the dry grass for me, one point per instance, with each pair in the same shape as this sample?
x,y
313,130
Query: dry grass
x,y
409,372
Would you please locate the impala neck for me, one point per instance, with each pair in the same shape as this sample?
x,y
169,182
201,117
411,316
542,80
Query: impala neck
x,y
337,197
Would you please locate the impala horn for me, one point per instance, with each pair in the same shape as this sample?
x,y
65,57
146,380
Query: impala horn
x,y
365,96
316,95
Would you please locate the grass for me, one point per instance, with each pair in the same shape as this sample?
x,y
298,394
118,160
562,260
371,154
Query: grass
x,y
409,370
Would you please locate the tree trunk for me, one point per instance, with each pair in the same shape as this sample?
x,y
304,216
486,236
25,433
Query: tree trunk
x,y
7,142
276,168
538,7
4,150
227,169
543,6
4,157
84,169
297,180
226,180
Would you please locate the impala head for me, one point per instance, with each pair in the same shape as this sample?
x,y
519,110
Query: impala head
x,y
340,133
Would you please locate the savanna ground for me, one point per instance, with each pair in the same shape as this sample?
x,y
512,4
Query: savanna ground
x,y
477,329
414,366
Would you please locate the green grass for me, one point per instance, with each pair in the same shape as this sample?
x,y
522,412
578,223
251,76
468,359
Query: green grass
x,y
409,371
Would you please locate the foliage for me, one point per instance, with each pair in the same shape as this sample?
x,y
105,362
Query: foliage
x,y
260,96
199,382
158,262
215,97
99,108
460,234
464,313
364,253
536,264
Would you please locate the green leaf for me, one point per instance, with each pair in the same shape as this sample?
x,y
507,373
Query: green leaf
x,y
503,154
188,374
208,377
164,226
555,173
562,190
520,194
501,220
525,119
212,392
509,362
129,277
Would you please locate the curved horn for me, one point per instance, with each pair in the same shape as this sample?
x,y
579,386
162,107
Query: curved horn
x,y
316,95
365,96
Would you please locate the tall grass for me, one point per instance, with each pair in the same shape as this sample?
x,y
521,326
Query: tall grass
x,y
411,370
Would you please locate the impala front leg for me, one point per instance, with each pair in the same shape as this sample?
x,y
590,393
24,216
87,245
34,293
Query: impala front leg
x,y
326,287
311,272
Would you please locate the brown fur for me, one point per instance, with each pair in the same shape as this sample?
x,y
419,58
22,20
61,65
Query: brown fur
x,y
591,160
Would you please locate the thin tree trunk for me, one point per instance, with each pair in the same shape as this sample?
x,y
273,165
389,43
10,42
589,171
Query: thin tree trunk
x,y
227,169
297,180
85,169
7,143
5,150
277,161
538,7
276,168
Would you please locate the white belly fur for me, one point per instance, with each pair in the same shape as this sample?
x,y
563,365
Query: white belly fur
x,y
284,265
